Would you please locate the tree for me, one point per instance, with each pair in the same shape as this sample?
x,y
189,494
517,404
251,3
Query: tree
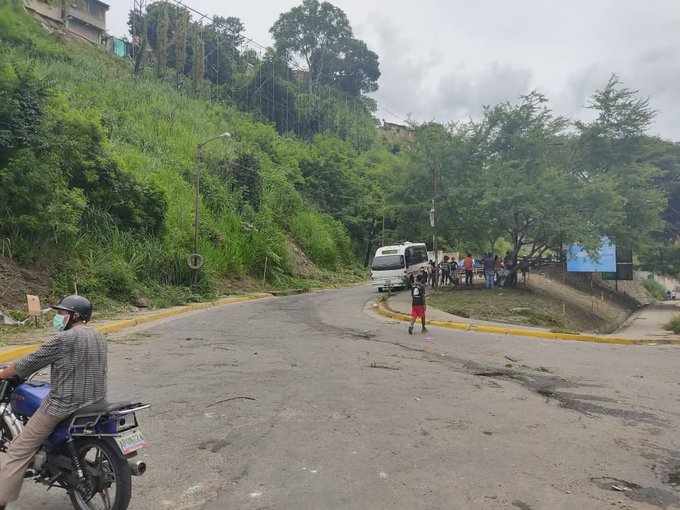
x,y
356,69
162,40
230,30
223,38
665,156
198,59
321,35
614,138
609,152
520,175
248,177
270,93
181,37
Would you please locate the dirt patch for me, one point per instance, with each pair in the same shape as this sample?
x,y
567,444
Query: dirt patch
x,y
238,284
301,264
17,281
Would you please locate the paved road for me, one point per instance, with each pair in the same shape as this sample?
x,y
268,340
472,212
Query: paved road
x,y
350,412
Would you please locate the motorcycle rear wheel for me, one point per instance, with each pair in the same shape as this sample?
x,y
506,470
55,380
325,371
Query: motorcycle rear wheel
x,y
111,486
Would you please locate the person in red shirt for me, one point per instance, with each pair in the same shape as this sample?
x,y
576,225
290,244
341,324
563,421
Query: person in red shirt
x,y
469,266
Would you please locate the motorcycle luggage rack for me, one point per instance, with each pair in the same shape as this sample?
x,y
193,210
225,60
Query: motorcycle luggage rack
x,y
87,420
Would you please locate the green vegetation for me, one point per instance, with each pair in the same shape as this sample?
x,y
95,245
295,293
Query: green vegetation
x,y
523,176
521,306
655,289
673,325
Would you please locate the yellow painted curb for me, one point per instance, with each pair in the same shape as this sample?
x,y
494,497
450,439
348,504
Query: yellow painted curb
x,y
529,332
491,329
450,325
548,335
18,352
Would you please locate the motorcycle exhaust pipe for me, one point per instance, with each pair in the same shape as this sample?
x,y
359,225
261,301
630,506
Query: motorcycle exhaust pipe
x,y
137,468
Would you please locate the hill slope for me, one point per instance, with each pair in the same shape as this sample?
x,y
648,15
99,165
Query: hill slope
x,y
113,207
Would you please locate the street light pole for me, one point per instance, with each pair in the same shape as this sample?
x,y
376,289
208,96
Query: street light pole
x,y
195,260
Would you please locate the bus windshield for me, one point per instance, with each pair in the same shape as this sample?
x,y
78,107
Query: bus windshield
x,y
388,262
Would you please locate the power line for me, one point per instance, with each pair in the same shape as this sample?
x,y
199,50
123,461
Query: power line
x,y
392,114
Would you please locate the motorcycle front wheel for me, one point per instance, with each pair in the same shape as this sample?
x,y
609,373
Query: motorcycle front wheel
x,y
109,476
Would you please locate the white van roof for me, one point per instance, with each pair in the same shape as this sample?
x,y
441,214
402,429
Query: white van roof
x,y
396,248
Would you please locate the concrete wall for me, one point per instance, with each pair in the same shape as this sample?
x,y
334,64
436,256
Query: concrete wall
x,y
48,11
85,31
667,282
90,12
87,20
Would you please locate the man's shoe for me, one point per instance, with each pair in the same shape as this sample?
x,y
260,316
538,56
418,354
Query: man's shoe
x,y
410,332
425,330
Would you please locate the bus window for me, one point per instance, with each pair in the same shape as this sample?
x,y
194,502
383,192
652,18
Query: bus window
x,y
388,262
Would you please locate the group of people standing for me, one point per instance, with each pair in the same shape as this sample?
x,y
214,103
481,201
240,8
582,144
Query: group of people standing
x,y
496,271
449,272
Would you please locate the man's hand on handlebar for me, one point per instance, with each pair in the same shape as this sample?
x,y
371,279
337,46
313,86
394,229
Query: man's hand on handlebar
x,y
8,370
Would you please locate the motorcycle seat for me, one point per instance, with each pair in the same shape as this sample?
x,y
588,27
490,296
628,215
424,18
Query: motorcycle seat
x,y
101,407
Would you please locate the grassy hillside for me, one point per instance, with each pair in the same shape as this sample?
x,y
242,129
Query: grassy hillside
x,y
251,208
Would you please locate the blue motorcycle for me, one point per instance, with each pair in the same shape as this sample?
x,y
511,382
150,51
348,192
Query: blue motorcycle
x,y
91,454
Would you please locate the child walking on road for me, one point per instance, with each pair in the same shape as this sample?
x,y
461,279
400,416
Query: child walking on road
x,y
418,303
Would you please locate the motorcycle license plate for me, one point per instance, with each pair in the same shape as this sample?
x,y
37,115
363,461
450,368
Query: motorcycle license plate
x,y
131,442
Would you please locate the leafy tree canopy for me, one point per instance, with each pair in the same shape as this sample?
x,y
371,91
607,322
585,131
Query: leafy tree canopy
x,y
321,35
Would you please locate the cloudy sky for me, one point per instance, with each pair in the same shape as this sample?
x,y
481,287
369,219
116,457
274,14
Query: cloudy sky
x,y
444,59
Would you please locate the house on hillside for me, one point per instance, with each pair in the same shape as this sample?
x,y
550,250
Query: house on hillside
x,y
396,130
83,19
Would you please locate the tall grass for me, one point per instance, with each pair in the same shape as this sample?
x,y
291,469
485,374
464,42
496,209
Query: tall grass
x,y
322,239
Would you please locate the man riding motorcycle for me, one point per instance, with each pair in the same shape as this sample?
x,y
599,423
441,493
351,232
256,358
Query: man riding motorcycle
x,y
77,355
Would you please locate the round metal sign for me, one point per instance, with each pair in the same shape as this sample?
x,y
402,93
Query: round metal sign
x,y
195,261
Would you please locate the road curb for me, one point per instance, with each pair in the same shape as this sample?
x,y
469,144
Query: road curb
x,y
23,350
385,311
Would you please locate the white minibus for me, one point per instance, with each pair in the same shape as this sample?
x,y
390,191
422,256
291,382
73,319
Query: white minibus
x,y
398,265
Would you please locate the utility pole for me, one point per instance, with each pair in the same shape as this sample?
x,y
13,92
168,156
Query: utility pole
x,y
433,224
382,243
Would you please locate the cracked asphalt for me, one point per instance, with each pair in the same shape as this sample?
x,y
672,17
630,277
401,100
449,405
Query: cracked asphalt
x,y
316,402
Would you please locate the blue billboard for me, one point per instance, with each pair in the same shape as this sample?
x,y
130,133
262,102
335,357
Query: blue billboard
x,y
578,260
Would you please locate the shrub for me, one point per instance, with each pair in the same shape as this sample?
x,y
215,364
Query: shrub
x,y
673,325
655,289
